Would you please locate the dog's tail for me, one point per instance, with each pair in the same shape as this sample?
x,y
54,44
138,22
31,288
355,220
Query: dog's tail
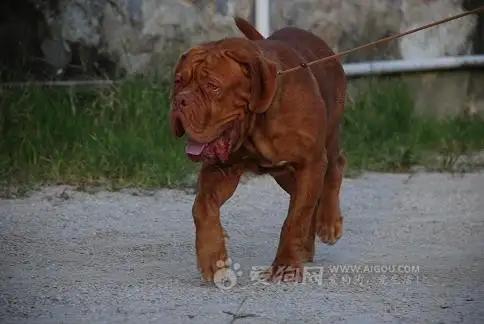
x,y
247,29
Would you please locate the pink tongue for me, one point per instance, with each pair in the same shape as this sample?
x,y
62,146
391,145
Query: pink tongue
x,y
194,148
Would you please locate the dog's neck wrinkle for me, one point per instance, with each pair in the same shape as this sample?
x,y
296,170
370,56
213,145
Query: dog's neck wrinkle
x,y
250,125
274,105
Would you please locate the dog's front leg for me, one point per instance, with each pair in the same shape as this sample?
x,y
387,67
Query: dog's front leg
x,y
216,184
287,265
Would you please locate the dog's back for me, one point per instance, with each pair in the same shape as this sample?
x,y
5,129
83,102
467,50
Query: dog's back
x,y
330,74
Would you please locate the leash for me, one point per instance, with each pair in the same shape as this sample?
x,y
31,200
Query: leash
x,y
382,40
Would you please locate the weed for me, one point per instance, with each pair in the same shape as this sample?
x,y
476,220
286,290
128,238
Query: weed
x,y
116,137
381,131
119,136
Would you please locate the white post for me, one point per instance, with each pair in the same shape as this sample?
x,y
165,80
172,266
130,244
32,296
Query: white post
x,y
262,17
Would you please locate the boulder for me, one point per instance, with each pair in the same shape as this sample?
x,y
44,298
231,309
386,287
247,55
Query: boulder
x,y
112,38
142,35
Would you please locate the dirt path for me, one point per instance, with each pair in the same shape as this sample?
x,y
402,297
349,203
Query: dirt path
x,y
124,258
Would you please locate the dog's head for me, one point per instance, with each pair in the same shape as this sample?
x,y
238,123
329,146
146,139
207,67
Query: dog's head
x,y
218,88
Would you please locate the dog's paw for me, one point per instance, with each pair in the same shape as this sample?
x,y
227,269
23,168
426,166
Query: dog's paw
x,y
284,270
209,257
330,230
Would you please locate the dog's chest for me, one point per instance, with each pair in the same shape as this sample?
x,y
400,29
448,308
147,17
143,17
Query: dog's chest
x,y
264,153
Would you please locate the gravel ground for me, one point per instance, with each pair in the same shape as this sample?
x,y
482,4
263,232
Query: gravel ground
x,y
72,257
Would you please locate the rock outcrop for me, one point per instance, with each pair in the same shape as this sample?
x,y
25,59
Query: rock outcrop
x,y
142,35
79,39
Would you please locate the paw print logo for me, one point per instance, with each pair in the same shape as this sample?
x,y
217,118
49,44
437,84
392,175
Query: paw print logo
x,y
226,276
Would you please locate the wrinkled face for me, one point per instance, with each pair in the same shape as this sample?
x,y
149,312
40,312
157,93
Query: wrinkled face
x,y
211,95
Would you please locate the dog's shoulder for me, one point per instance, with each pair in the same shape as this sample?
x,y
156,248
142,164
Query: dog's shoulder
x,y
296,38
310,47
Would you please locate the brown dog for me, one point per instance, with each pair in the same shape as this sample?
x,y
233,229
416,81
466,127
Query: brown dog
x,y
240,115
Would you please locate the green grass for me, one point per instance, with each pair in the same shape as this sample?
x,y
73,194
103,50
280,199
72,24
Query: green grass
x,y
116,137
381,131
119,136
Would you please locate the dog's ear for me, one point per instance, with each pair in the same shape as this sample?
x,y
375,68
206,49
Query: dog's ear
x,y
263,84
248,29
263,78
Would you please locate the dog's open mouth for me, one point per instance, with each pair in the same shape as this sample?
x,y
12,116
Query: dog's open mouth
x,y
219,148
195,148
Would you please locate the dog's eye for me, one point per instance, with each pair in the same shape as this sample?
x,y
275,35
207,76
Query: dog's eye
x,y
212,87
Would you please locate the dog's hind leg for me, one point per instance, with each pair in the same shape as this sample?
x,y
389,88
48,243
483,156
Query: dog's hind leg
x,y
329,222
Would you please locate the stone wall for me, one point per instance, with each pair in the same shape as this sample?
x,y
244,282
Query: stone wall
x,y
138,35
452,93
111,38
